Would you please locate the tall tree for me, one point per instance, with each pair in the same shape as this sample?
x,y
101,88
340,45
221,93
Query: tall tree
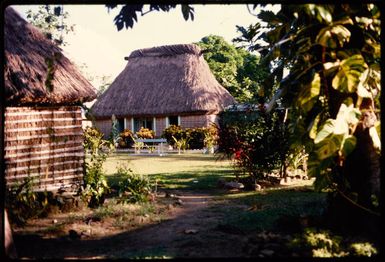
x,y
236,69
333,89
52,21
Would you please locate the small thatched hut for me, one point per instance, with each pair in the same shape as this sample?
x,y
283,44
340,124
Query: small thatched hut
x,y
43,124
161,86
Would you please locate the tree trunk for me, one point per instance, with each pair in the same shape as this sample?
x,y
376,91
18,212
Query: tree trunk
x,y
9,246
362,171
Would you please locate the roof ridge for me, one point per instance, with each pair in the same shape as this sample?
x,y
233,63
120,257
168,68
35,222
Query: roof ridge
x,y
166,50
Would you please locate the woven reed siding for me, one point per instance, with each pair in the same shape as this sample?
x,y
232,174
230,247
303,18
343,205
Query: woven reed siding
x,y
193,121
160,126
105,126
44,143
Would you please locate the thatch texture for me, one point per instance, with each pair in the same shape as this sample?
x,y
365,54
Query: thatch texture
x,y
27,56
166,80
44,143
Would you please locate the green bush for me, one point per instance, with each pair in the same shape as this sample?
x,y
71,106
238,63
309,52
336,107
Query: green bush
x,y
23,203
132,188
173,131
256,141
95,183
322,243
197,138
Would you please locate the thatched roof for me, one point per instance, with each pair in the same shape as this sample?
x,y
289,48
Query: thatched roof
x,y
166,80
27,73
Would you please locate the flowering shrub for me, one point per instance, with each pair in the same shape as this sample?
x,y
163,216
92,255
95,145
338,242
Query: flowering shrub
x,y
126,138
145,133
256,141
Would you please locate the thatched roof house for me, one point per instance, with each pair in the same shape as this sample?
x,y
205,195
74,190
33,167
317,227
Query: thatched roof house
x,y
28,54
43,91
162,82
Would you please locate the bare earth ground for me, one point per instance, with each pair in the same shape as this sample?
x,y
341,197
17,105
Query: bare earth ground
x,y
190,230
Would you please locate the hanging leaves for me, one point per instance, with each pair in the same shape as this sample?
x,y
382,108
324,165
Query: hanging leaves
x,y
349,73
309,93
334,36
188,12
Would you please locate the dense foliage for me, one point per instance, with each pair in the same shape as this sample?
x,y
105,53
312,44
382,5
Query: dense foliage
x,y
332,55
196,138
255,140
236,69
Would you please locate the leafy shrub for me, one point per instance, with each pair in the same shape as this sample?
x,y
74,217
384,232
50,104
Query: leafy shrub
x,y
23,203
197,138
256,141
322,243
145,133
133,187
126,138
95,183
173,131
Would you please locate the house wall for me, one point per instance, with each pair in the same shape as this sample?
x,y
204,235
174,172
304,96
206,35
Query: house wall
x,y
105,126
44,144
160,126
198,120
160,123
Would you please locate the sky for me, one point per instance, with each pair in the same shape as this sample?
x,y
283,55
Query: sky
x,y
97,44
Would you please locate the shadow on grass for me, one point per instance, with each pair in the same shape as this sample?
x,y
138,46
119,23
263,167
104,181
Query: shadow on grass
x,y
281,209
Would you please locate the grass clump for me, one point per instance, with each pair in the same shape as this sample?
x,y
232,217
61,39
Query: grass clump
x,y
322,243
132,187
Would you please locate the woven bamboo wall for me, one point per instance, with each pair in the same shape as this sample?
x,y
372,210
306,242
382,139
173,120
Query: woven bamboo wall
x,y
44,143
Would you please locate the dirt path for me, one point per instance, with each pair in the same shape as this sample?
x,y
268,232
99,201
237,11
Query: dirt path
x,y
191,231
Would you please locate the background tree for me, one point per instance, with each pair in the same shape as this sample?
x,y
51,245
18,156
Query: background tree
x,y
235,69
52,21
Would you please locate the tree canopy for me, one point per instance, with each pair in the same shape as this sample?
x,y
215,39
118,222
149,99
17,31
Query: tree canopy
x,y
238,70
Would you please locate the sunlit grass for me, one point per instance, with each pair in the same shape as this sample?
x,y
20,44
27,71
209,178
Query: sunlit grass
x,y
185,171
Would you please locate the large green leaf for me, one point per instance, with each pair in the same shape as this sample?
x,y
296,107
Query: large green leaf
x,y
333,36
326,130
348,145
308,94
320,12
329,146
348,76
313,127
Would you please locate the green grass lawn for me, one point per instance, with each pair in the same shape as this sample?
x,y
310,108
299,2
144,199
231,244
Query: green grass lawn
x,y
185,171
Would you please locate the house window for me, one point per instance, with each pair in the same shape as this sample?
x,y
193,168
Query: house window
x,y
147,122
120,124
173,120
